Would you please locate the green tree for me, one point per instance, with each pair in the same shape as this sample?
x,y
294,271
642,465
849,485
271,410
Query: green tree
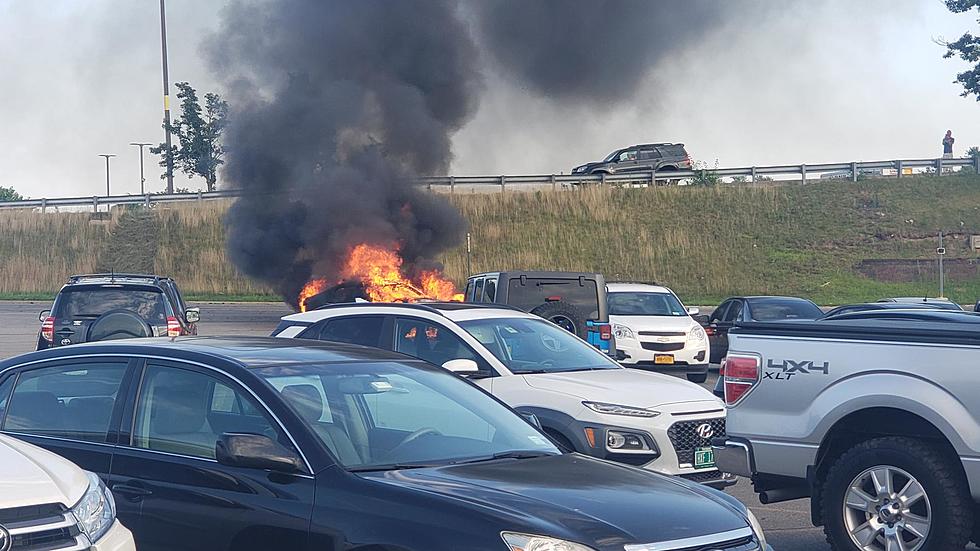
x,y
198,131
967,48
10,194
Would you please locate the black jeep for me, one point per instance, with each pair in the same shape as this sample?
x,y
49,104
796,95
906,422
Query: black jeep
x,y
575,301
99,307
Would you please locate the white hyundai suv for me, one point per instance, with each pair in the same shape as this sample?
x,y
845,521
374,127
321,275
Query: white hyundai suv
x,y
584,400
653,329
46,502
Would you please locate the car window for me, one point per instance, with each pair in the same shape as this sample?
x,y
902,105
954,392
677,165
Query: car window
x,y
93,302
416,405
734,311
649,154
185,412
431,342
537,291
644,304
363,330
720,312
468,293
775,309
478,291
490,291
303,393
4,395
72,401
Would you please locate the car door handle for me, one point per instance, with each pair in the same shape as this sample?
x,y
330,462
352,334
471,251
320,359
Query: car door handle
x,y
134,493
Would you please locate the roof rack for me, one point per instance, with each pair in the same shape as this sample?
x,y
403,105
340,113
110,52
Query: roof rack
x,y
113,276
407,305
654,283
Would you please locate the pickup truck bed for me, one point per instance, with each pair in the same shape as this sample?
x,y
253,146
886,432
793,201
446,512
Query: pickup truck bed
x,y
855,412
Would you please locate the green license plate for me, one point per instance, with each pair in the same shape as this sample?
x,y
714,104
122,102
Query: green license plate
x,y
704,458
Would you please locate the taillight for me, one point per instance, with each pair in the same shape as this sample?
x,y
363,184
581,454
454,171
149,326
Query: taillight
x,y
605,332
741,376
47,329
173,327
709,331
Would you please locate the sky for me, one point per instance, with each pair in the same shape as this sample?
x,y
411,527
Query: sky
x,y
798,82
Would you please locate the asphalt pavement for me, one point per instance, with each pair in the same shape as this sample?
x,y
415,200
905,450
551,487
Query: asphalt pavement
x,y
787,524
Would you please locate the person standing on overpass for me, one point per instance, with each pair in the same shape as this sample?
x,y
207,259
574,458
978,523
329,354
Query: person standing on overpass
x,y
948,145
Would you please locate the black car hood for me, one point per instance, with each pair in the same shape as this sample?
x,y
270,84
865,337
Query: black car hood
x,y
580,498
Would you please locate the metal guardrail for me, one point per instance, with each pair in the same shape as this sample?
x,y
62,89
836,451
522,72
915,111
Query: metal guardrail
x,y
642,177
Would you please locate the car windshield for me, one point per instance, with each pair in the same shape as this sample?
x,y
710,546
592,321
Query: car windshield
x,y
781,309
527,345
390,415
645,304
93,302
612,156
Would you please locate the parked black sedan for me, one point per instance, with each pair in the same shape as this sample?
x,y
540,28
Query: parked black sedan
x,y
760,308
242,444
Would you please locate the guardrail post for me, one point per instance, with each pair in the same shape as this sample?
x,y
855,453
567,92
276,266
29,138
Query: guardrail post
x,y
503,182
146,200
854,172
939,166
554,181
452,184
44,205
602,179
95,204
200,196
753,175
653,177
803,173
976,164
899,167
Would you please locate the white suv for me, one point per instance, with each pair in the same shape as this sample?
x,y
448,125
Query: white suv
x,y
654,329
587,402
46,502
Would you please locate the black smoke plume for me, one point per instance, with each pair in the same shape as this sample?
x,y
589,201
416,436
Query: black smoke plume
x,y
337,104
590,50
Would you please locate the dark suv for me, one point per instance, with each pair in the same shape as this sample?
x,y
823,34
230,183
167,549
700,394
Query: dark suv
x,y
575,301
97,307
640,158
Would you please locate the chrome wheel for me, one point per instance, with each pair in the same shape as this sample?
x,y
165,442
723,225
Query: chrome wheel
x,y
887,509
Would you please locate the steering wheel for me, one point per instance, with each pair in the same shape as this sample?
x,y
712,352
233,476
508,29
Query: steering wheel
x,y
552,344
547,363
415,436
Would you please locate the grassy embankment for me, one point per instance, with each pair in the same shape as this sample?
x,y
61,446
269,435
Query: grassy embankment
x,y
704,242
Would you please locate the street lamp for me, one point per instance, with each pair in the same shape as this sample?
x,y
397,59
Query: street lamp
x,y
166,98
141,145
107,157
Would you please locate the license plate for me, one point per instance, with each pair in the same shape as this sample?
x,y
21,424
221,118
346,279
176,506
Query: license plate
x,y
704,458
667,359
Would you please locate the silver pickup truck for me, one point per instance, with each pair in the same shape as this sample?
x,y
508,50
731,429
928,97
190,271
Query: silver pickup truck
x,y
876,420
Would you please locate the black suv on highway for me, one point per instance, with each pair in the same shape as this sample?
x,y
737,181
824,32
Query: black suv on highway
x,y
640,158
96,307
575,301
248,444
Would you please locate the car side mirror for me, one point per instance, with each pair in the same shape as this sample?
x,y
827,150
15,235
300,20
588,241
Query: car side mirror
x,y
693,311
254,451
192,315
531,418
43,315
462,366
976,308
701,319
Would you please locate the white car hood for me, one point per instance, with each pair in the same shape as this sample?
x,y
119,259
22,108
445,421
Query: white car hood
x,y
32,476
629,387
655,323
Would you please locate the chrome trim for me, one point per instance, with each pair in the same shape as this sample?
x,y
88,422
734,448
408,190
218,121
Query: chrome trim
x,y
697,541
128,357
67,521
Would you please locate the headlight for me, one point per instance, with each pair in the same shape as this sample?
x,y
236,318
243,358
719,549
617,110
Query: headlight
x,y
697,334
527,542
623,332
756,527
616,409
96,511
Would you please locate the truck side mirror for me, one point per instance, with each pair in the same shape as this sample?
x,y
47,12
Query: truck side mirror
x,y
43,315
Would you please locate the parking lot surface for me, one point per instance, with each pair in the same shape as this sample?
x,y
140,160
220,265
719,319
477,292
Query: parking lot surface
x,y
787,524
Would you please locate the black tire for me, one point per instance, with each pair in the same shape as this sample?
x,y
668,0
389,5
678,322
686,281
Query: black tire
x,y
564,315
118,324
945,487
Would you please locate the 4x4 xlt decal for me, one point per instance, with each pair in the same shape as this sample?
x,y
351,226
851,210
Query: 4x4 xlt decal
x,y
788,368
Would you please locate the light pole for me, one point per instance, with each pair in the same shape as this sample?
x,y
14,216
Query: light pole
x,y
107,157
141,145
166,97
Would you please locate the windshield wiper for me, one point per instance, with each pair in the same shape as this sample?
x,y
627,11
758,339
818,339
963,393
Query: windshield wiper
x,y
528,371
511,454
392,467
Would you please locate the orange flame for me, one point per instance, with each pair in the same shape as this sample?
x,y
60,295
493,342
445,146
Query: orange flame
x,y
379,269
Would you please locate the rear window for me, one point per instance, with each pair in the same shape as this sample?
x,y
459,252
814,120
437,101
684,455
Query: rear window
x,y
538,291
672,151
93,302
775,310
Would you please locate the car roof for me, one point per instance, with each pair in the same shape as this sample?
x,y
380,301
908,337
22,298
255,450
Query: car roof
x,y
916,299
249,352
767,297
624,287
455,311
910,314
